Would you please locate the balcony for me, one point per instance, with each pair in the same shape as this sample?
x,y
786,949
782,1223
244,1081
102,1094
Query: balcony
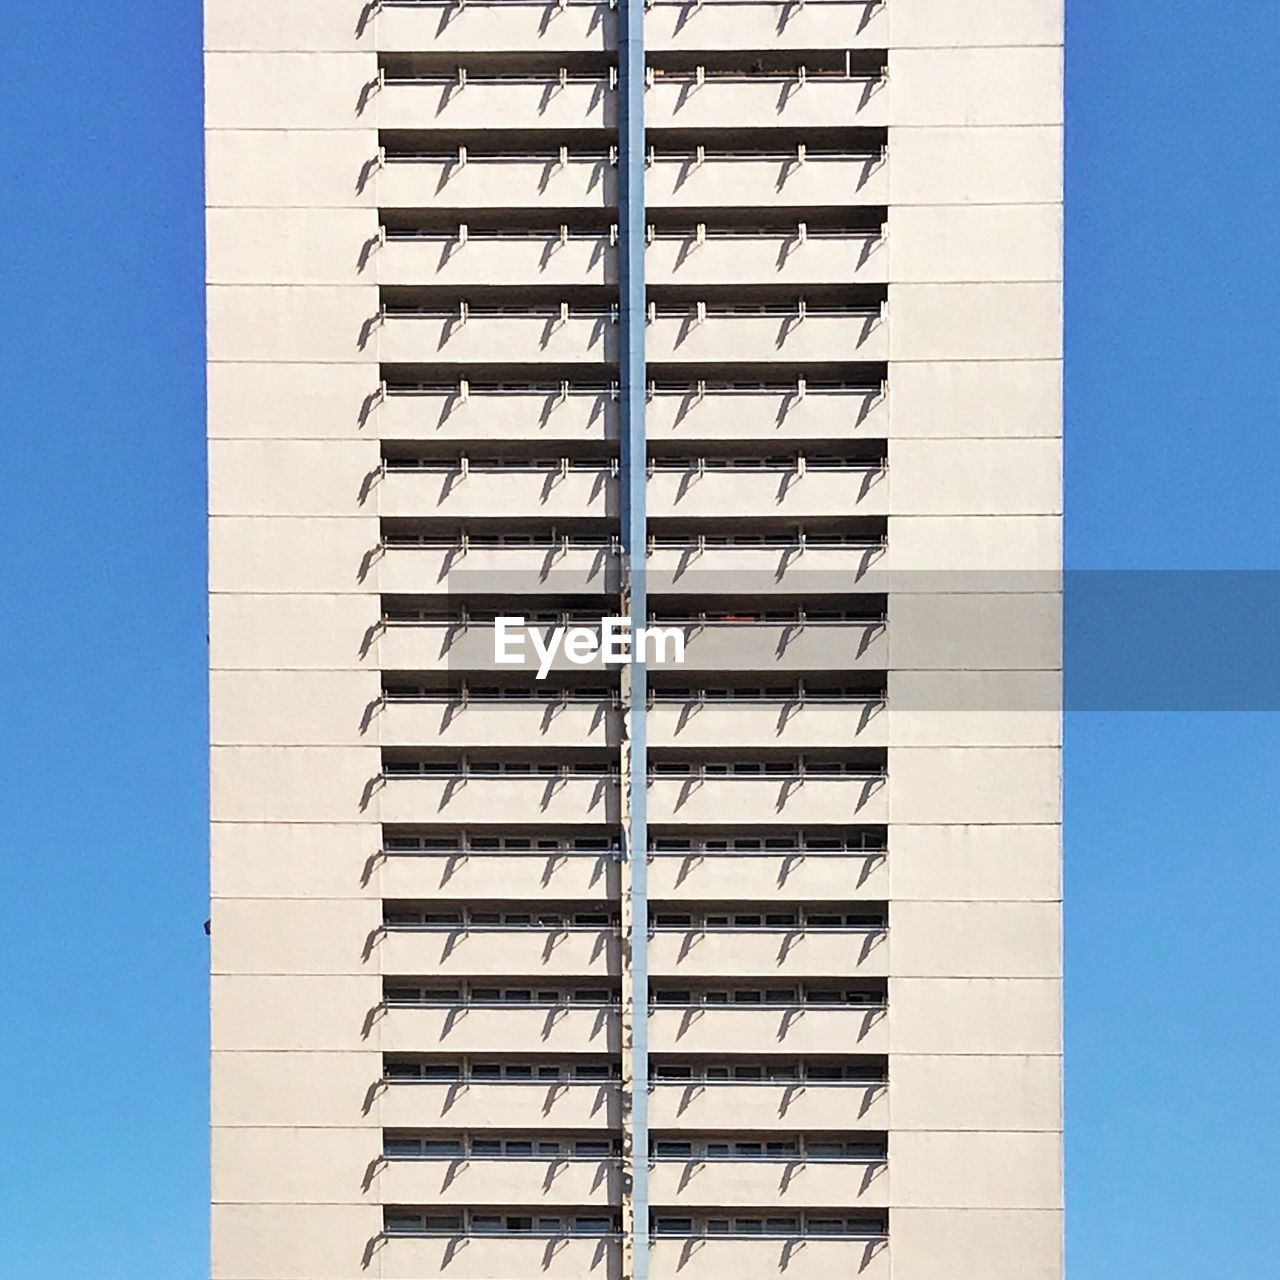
x,y
555,413
472,258
558,722
475,258
780,877
716,1107
700,333
461,876
716,333
792,489
446,25
409,26
478,335
707,799
462,1105
540,491
751,1257
472,723
690,100
449,646
468,1180
466,952
465,1027
801,876
768,1258
435,179
704,568
797,1029
767,953
476,799
569,490
441,567
799,723
777,647
504,103
484,1257
781,415
550,415
801,178
759,24
780,1184
468,1028
799,257
479,25
713,646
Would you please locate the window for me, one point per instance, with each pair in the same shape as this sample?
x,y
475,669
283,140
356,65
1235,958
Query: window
x,y
674,1226
440,1147
826,1226
396,1148
442,1223
824,1072
441,1071
592,996
665,1150
401,1071
674,1071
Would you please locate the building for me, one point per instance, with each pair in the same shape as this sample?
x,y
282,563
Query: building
x,y
738,316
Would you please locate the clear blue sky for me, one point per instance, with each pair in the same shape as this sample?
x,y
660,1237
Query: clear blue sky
x,y
1172,866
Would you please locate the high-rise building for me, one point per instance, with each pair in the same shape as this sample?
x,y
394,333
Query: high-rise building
x,y
736,319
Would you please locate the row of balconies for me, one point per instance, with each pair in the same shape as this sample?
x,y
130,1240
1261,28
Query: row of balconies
x,y
689,877
712,646
467,1027
595,1107
468,26
596,1183
475,724
576,335
596,953
418,175
751,1256
591,489
686,567
781,415
466,258
686,99
559,797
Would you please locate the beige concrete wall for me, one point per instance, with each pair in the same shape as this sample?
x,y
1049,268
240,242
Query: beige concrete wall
x,y
976,231
287,302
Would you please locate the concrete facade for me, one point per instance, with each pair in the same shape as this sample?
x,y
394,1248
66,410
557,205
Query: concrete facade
x,y
421,940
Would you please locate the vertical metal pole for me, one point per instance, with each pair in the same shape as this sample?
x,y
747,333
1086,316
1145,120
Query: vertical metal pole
x,y
634,763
